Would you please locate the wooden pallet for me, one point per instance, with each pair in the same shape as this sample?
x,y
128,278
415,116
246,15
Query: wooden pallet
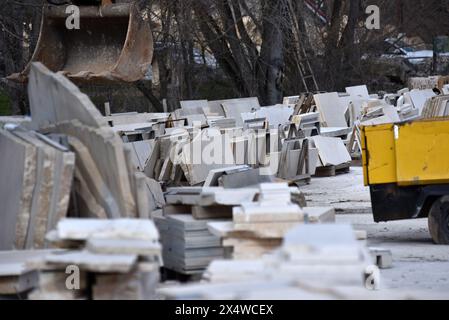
x,y
331,171
301,180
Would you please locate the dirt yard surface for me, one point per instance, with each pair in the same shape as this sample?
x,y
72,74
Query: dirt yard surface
x,y
345,192
419,266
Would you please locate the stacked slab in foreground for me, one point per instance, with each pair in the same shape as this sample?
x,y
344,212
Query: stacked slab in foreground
x,y
188,245
108,184
259,227
113,260
36,177
314,262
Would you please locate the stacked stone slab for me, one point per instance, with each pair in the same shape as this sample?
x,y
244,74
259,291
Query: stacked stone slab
x,y
108,184
36,178
313,262
113,260
188,245
436,107
259,227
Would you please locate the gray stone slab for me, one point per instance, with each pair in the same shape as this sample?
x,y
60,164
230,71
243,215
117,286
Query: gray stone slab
x,y
15,263
54,98
16,158
212,177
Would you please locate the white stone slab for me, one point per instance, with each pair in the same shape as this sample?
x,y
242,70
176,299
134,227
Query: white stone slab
x,y
234,108
358,92
190,107
14,263
83,229
331,111
419,98
275,115
332,151
121,246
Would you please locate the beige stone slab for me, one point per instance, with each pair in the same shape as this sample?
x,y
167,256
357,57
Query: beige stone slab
x,y
252,243
42,196
176,209
66,160
267,229
138,285
56,101
143,197
63,164
123,246
89,173
52,286
255,213
212,212
361,234
93,262
87,203
13,285
108,153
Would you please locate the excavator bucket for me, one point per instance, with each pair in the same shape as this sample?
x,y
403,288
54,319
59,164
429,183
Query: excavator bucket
x,y
114,43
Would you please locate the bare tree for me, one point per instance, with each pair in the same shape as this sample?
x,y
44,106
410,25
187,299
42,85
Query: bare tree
x,y
19,25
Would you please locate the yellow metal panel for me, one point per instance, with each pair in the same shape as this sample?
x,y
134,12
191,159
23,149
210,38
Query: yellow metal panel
x,y
379,154
364,156
422,152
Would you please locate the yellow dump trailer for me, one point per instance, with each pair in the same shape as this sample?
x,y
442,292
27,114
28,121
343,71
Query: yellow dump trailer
x,y
406,166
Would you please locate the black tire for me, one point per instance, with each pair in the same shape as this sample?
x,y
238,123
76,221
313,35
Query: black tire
x,y
439,221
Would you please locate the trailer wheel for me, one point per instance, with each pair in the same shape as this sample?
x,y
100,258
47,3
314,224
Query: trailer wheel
x,y
439,220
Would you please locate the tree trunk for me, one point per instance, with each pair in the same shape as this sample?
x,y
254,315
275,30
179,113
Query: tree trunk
x,y
271,62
